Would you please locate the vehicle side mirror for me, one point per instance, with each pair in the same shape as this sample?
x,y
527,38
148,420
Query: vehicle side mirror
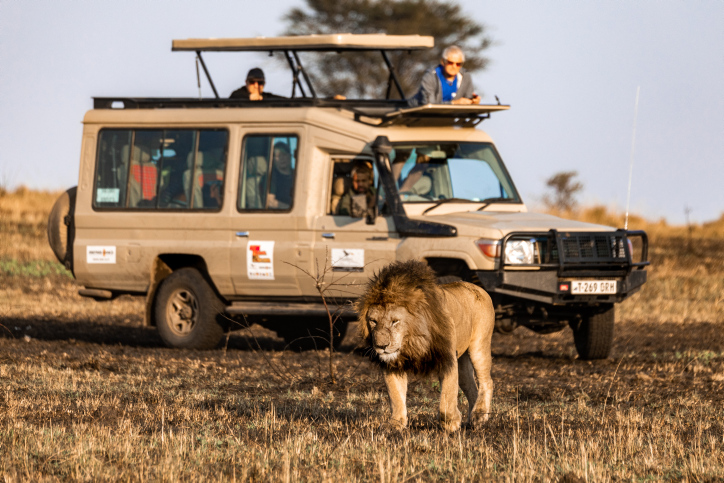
x,y
371,212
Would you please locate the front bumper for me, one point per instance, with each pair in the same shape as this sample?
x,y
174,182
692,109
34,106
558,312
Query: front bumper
x,y
569,256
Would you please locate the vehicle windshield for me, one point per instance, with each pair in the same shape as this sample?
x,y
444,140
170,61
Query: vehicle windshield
x,y
465,172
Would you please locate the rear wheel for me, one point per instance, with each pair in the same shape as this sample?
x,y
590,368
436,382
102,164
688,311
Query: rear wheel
x,y
593,334
188,312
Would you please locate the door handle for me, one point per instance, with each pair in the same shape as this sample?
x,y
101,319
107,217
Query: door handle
x,y
242,234
327,235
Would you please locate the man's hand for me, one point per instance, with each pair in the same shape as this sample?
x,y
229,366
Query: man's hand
x,y
466,101
255,96
462,100
271,201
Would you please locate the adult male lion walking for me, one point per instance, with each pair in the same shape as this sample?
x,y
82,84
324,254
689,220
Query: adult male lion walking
x,y
416,326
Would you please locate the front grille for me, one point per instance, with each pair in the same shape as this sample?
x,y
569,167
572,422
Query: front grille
x,y
588,247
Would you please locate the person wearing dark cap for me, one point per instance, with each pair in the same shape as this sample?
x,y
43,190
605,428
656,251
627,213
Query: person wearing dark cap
x,y
254,88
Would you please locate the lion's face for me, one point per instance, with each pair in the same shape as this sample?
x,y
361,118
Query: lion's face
x,y
388,329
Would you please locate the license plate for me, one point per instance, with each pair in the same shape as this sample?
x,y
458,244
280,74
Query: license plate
x,y
593,287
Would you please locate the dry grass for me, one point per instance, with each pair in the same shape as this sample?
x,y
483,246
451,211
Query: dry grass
x,y
87,393
23,223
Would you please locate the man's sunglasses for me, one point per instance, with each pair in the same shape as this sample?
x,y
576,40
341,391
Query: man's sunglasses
x,y
456,64
254,81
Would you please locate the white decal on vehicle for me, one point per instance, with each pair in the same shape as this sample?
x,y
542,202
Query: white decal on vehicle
x,y
108,195
260,260
100,254
352,259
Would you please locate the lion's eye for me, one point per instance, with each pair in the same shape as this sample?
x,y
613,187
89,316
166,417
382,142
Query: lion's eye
x,y
373,323
395,322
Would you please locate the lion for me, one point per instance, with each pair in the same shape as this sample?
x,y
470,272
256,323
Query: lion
x,y
416,326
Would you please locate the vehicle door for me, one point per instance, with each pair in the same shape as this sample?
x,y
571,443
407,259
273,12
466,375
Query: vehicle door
x,y
348,247
264,250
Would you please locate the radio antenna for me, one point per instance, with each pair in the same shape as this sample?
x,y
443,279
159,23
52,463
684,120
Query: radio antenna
x,y
630,168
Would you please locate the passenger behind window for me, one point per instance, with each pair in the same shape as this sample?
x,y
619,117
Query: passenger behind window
x,y
282,178
256,175
208,178
339,187
142,185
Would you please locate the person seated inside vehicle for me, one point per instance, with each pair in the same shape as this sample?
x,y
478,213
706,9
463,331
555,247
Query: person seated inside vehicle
x,y
282,178
339,188
421,165
361,194
256,173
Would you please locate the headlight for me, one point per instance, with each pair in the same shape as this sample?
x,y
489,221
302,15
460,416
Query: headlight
x,y
519,252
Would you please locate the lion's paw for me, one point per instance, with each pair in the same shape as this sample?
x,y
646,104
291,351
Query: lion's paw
x,y
478,419
395,425
450,424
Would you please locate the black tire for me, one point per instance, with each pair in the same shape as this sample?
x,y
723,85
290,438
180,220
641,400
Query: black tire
x,y
445,279
593,334
310,333
61,228
188,312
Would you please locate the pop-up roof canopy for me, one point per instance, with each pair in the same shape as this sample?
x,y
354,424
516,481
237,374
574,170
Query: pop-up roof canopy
x,y
291,45
379,112
330,42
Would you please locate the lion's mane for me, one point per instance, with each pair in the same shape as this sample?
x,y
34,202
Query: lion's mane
x,y
412,285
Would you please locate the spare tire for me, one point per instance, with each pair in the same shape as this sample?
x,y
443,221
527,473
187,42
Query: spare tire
x,y
61,227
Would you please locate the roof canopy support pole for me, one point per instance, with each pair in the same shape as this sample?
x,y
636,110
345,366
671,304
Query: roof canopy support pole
x,y
304,73
393,75
206,71
295,76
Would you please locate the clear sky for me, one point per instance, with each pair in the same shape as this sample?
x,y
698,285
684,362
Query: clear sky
x,y
569,69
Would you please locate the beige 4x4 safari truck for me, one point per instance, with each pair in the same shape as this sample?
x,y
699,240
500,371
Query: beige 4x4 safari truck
x,y
217,208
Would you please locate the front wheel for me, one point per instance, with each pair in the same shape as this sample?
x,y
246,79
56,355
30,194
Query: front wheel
x,y
188,311
593,334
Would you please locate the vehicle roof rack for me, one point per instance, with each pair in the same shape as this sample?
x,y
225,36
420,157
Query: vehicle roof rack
x,y
292,45
374,112
428,115
384,105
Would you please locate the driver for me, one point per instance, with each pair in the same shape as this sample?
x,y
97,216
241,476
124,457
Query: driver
x,y
416,173
361,195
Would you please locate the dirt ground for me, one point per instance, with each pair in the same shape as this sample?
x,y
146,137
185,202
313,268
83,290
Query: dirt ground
x,y
658,368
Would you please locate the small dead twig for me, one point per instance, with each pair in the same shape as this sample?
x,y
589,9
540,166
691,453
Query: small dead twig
x,y
247,327
603,411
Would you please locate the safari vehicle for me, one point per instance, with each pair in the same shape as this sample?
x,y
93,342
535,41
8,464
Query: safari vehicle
x,y
216,209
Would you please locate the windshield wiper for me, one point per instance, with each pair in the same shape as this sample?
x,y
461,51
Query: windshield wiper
x,y
490,201
449,200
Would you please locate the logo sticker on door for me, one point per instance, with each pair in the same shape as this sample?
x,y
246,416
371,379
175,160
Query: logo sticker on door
x,y
260,260
100,254
348,259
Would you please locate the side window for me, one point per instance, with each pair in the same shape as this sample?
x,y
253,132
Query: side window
x,y
354,184
112,169
160,169
268,170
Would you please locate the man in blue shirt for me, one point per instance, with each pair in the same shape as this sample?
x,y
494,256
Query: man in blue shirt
x,y
448,83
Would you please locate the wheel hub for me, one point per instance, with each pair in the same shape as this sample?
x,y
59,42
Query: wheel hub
x,y
182,311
